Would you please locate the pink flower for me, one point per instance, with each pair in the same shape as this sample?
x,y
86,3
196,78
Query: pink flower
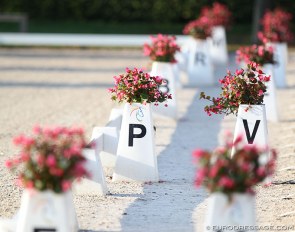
x,y
29,184
226,182
261,171
8,164
260,93
238,139
66,185
213,171
19,139
24,156
239,72
201,173
220,150
37,129
198,153
40,159
51,161
56,171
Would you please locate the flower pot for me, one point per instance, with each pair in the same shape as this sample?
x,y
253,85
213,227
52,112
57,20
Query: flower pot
x,y
270,99
106,140
95,184
136,158
46,211
218,46
166,71
252,125
200,67
233,213
176,71
280,67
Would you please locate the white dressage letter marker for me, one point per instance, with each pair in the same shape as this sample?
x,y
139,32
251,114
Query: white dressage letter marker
x,y
167,72
47,211
200,67
136,159
95,185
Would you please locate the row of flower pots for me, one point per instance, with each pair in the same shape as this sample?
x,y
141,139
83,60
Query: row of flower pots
x,y
53,158
242,94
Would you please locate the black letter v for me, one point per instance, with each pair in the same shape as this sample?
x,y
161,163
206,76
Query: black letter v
x,y
251,138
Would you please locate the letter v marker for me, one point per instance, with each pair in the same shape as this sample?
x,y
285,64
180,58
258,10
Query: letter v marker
x,y
251,138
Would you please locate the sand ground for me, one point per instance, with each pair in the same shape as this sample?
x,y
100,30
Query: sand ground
x,y
68,87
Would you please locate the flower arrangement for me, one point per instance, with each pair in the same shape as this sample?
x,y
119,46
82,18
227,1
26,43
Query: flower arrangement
x,y
218,14
260,54
199,28
163,48
219,172
135,86
276,26
51,159
244,87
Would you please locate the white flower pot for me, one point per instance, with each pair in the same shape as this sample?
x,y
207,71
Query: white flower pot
x,y
181,57
252,126
136,158
270,99
218,46
176,71
166,71
230,214
200,67
280,50
106,140
95,184
115,119
42,211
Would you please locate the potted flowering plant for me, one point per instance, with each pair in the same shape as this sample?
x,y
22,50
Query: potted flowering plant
x,y
135,86
136,142
231,181
48,163
218,14
200,67
162,51
260,54
199,28
264,56
244,87
219,17
276,31
276,27
243,94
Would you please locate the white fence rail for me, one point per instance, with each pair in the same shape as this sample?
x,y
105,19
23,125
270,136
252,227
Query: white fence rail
x,y
45,39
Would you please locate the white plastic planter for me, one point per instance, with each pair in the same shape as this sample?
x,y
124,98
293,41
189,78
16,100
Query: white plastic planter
x,y
115,119
230,214
176,71
252,126
181,57
200,67
106,140
270,99
136,158
280,50
167,72
46,211
95,185
218,46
